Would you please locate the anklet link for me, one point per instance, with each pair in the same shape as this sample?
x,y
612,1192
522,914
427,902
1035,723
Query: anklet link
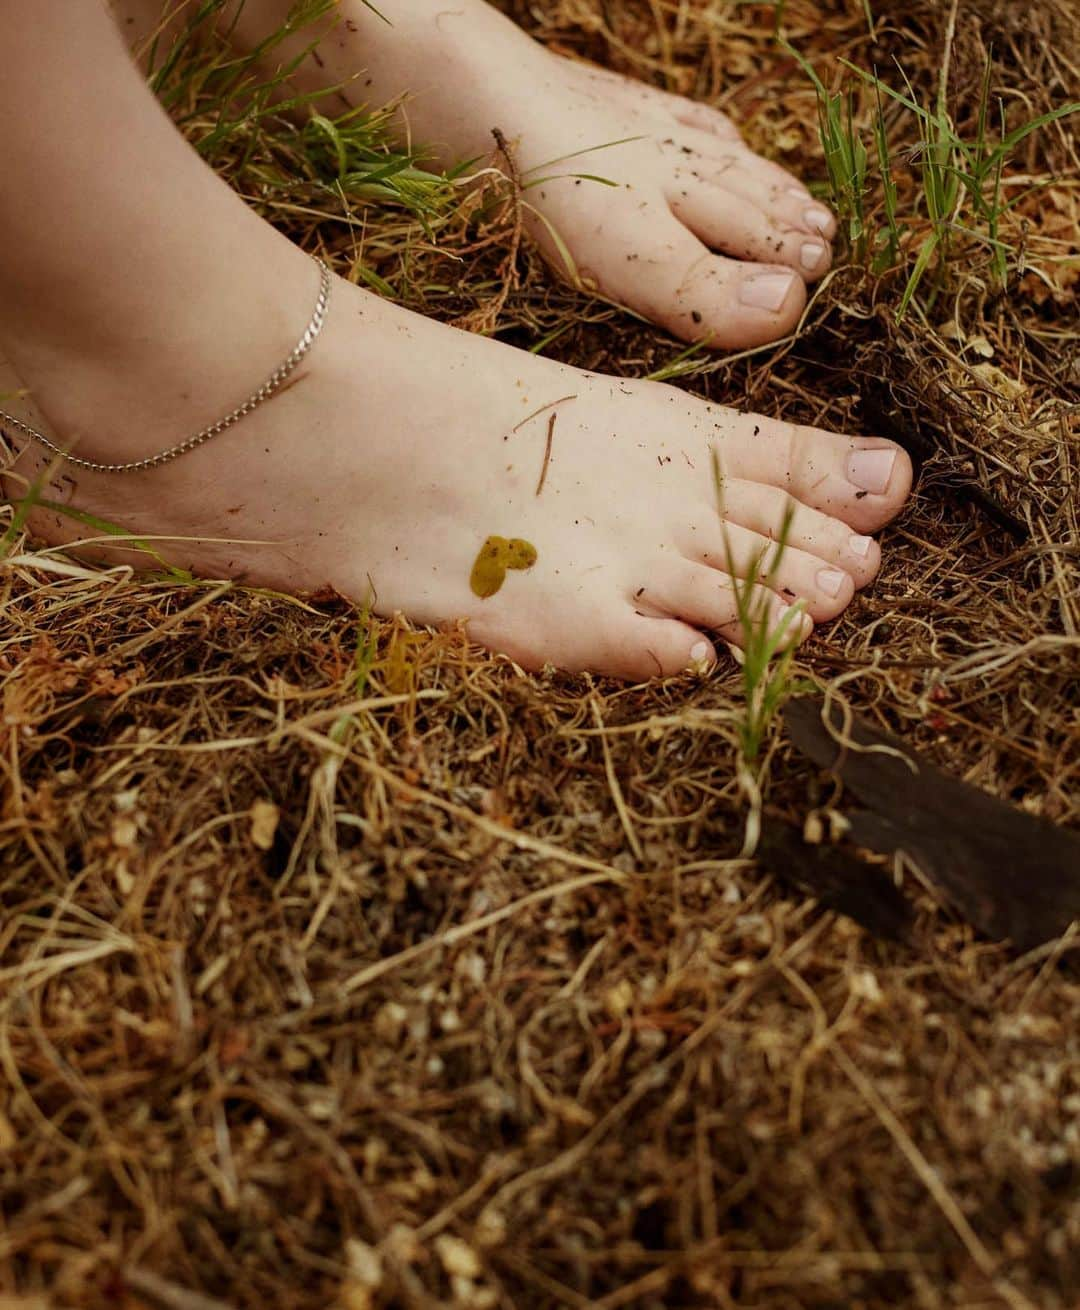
x,y
269,388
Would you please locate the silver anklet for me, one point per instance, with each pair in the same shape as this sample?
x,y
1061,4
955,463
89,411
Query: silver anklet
x,y
269,388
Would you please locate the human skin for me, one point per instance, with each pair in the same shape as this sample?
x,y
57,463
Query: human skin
x,y
145,299
686,185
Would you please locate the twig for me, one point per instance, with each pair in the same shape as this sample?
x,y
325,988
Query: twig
x,y
547,453
486,316
614,788
529,418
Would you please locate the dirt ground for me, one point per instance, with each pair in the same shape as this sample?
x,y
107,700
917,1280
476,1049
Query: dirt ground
x,y
447,985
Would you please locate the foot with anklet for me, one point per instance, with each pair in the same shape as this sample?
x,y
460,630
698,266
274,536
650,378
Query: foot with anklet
x,y
146,301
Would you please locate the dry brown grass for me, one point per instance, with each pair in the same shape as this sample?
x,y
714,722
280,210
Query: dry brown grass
x,y
451,986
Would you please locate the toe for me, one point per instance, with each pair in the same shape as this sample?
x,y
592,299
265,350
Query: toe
x,y
861,480
650,647
766,185
710,599
614,639
776,515
792,573
735,224
645,258
788,192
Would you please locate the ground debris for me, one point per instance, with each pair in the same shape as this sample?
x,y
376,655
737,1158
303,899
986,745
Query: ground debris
x,y
1014,875
370,961
837,878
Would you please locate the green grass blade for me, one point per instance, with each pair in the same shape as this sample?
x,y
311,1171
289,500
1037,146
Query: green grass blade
x,y
926,253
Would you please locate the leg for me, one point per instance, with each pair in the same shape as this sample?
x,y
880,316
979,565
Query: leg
x,y
687,186
114,242
144,300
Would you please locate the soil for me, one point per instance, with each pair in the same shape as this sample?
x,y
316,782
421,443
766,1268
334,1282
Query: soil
x,y
342,964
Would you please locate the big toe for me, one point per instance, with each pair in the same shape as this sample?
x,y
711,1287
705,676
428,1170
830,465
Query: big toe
x,y
861,480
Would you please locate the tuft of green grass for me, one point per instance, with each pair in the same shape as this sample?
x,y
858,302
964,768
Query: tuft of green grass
x,y
367,642
887,242
959,203
768,648
846,156
961,179
274,144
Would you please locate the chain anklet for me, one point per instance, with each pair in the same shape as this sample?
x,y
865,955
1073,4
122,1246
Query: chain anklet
x,y
269,388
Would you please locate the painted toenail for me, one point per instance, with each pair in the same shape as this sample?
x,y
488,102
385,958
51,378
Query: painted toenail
x,y
811,253
871,469
817,218
766,290
860,546
830,581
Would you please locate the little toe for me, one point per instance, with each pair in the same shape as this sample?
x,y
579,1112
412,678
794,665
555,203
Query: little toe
x,y
651,646
732,223
861,480
773,513
782,198
786,189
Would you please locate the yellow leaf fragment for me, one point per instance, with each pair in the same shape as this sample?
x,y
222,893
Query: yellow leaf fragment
x,y
498,554
520,554
489,571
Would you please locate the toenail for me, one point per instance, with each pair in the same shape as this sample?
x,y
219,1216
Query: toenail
x,y
766,290
817,218
860,546
702,655
793,622
871,469
811,253
830,581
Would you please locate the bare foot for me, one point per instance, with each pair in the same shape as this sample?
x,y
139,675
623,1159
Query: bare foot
x,y
687,186
404,446
569,518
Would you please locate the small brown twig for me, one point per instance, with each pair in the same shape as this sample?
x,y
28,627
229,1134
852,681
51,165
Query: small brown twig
x,y
529,417
486,316
547,453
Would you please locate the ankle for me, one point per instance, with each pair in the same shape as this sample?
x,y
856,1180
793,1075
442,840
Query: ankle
x,y
172,366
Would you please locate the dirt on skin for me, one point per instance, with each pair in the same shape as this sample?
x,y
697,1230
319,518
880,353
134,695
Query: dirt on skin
x,y
440,984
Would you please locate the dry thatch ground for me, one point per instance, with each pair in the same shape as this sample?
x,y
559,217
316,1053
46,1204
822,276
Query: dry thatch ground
x,y
451,987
